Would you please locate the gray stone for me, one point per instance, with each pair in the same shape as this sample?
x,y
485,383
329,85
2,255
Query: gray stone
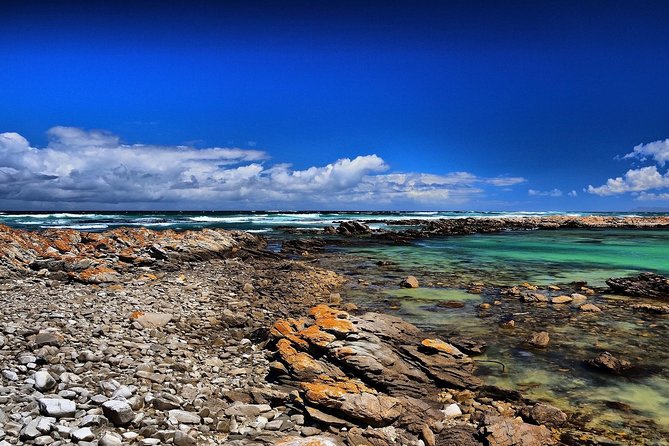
x,y
182,416
45,424
83,434
44,381
57,407
247,410
29,431
183,439
110,439
154,320
118,412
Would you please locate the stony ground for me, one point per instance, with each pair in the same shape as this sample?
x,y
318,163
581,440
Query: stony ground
x,y
157,357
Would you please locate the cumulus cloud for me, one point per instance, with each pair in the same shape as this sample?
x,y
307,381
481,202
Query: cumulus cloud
x,y
640,180
544,193
656,150
94,166
573,194
634,180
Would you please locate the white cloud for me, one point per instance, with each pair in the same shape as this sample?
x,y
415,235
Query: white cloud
x,y
545,193
79,167
573,194
634,180
645,196
657,150
640,180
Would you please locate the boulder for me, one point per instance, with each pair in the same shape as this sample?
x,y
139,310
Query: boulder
x,y
561,299
409,282
353,228
542,413
153,320
606,362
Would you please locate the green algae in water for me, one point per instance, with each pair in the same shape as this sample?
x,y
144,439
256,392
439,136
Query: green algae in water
x,y
429,294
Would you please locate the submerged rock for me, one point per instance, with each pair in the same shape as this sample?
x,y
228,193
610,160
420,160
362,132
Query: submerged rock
x,y
606,362
540,339
648,285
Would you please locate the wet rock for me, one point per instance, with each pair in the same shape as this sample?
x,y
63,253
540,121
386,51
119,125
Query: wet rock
x,y
542,413
648,285
540,339
353,228
608,363
561,299
590,308
409,282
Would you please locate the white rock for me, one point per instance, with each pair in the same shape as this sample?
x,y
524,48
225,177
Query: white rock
x,y
83,434
10,376
110,439
118,412
452,411
57,407
44,381
45,424
182,416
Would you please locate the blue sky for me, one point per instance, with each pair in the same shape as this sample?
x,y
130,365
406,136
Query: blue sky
x,y
314,104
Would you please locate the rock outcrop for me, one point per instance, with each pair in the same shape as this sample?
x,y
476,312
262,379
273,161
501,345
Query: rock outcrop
x,y
375,372
68,254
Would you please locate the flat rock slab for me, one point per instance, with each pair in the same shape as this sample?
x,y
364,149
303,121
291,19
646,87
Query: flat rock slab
x,y
154,320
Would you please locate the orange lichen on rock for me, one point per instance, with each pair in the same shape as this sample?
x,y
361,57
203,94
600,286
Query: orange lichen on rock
x,y
315,336
136,315
98,274
441,346
300,362
322,391
342,326
324,312
332,320
285,328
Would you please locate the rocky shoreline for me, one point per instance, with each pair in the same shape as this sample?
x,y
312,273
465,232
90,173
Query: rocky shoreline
x,y
202,337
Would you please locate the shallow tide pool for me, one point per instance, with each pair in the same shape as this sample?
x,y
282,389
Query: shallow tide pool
x,y
625,407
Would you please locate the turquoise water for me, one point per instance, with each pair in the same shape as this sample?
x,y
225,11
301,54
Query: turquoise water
x,y
631,410
540,257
